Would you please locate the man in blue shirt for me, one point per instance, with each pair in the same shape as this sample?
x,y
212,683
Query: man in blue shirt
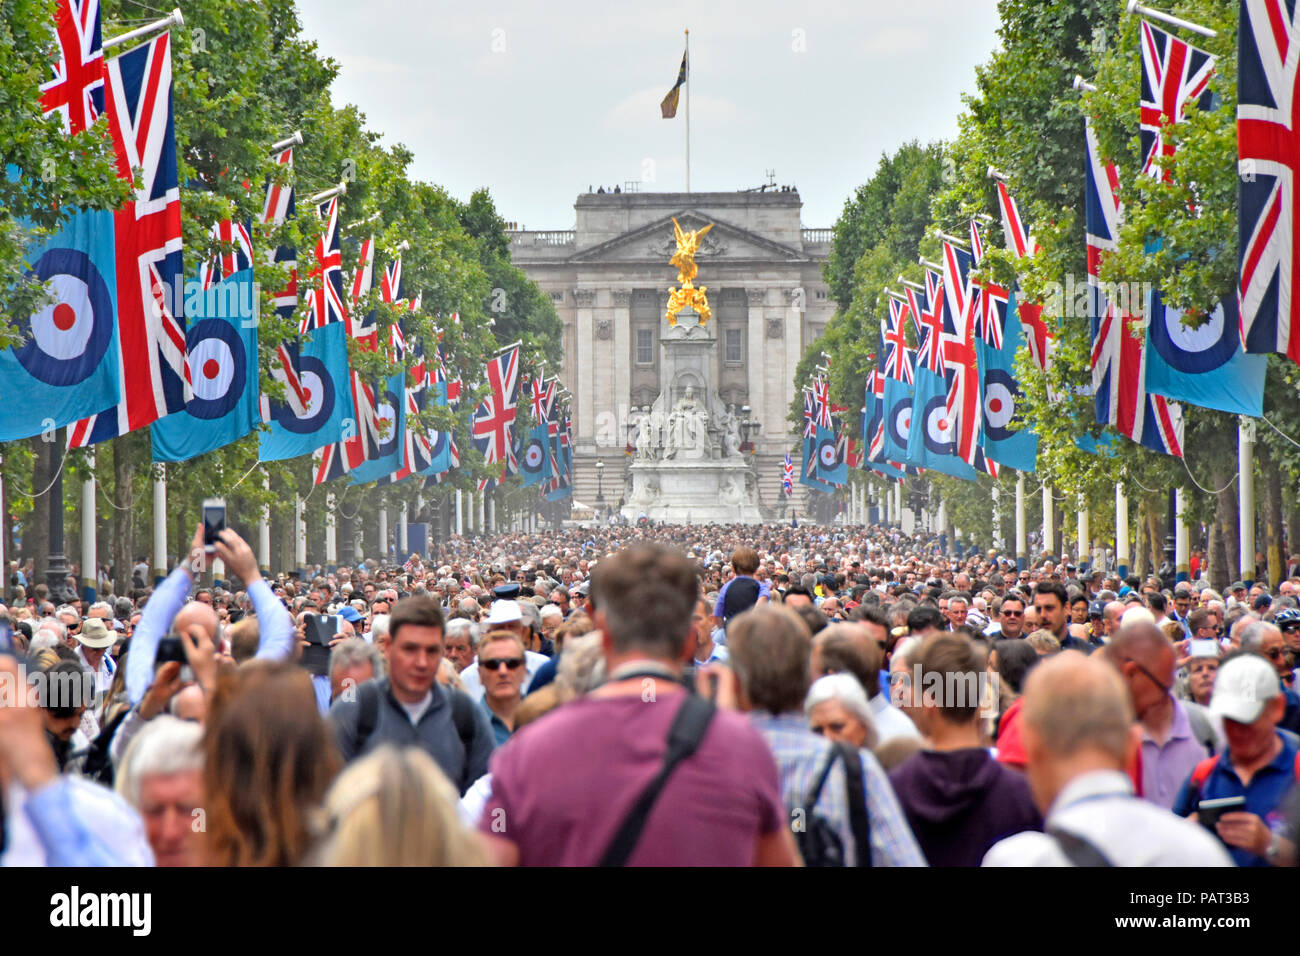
x,y
1259,764
744,561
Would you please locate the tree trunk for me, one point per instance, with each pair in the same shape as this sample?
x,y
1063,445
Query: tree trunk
x,y
1140,544
1219,575
1226,515
36,541
1292,543
1272,481
122,521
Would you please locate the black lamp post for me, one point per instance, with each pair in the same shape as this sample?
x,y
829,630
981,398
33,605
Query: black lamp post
x,y
56,576
600,482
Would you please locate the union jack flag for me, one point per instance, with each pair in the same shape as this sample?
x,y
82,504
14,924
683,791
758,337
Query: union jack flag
x,y
809,414
822,402
898,357
964,405
490,427
787,475
76,92
1268,148
1175,75
1118,354
151,325
927,316
365,326
337,459
278,208
417,453
236,254
325,305
876,439
1038,337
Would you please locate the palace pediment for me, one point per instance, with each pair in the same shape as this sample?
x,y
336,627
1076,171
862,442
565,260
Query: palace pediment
x,y
725,242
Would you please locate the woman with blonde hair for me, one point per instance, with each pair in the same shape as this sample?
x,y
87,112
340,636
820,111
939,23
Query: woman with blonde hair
x,y
396,808
270,757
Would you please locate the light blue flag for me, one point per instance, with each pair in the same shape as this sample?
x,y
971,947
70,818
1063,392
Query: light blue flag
x,y
932,442
66,369
390,446
831,468
808,474
221,342
534,459
1004,439
564,477
899,399
1204,366
326,406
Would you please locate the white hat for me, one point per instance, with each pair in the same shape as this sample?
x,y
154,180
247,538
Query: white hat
x,y
1243,687
504,612
96,635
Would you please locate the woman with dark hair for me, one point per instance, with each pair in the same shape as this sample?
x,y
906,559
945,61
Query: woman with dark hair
x,y
1014,659
270,758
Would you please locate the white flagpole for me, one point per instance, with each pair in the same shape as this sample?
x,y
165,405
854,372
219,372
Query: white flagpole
x,y
1143,10
160,524
688,110
172,19
1246,498
89,571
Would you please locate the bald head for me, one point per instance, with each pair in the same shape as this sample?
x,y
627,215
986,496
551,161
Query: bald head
x,y
1143,642
197,614
1075,703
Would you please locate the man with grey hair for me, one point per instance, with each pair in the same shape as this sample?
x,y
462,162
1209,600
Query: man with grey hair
x,y
460,642
353,662
1075,722
379,632
161,775
1265,639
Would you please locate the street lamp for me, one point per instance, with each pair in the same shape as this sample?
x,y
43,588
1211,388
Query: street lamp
x,y
600,482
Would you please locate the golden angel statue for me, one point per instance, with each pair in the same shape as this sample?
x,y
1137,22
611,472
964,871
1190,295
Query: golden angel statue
x,y
688,244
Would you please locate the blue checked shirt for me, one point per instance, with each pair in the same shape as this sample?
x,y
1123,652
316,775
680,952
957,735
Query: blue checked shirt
x,y
801,755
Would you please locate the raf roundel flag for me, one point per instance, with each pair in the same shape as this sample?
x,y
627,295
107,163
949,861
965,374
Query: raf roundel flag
x,y
390,421
63,371
221,343
326,408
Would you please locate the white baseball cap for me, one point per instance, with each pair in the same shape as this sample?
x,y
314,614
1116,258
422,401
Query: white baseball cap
x,y
1243,688
504,612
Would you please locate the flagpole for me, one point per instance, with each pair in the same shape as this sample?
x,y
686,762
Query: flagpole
x,y
688,110
172,19
1143,10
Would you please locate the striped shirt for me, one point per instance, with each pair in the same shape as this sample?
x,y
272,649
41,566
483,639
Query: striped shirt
x,y
800,757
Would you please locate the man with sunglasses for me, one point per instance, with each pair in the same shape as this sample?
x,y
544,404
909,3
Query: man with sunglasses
x,y
1173,732
1265,639
501,672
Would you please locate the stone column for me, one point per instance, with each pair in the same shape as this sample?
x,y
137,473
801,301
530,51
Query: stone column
x,y
584,388
620,396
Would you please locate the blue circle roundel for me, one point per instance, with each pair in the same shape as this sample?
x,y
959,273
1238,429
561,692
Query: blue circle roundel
x,y
218,368
940,433
534,458
68,338
387,409
318,396
1000,398
900,423
1197,350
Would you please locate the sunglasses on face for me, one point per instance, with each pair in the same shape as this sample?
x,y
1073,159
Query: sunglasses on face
x,y
511,663
1273,653
1009,613
1290,628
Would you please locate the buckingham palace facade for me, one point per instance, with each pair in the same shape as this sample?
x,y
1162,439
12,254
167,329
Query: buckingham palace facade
x,y
609,278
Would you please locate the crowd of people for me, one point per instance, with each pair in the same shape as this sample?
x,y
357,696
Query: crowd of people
x,y
665,695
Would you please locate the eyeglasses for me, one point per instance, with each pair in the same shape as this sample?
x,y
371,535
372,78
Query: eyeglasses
x,y
511,663
1150,676
1290,627
1273,653
1009,613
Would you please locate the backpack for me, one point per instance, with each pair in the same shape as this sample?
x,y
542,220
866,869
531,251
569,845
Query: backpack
x,y
819,840
98,764
462,715
1206,767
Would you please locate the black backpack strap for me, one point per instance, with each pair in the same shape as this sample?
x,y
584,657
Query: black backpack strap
x,y
462,715
367,712
815,794
1078,850
689,727
859,820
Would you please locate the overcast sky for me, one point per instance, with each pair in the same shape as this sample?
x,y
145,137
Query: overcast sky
x,y
537,101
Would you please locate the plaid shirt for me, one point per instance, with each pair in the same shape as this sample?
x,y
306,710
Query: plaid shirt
x,y
800,756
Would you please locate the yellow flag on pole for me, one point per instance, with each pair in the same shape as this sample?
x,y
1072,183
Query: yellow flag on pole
x,y
669,105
